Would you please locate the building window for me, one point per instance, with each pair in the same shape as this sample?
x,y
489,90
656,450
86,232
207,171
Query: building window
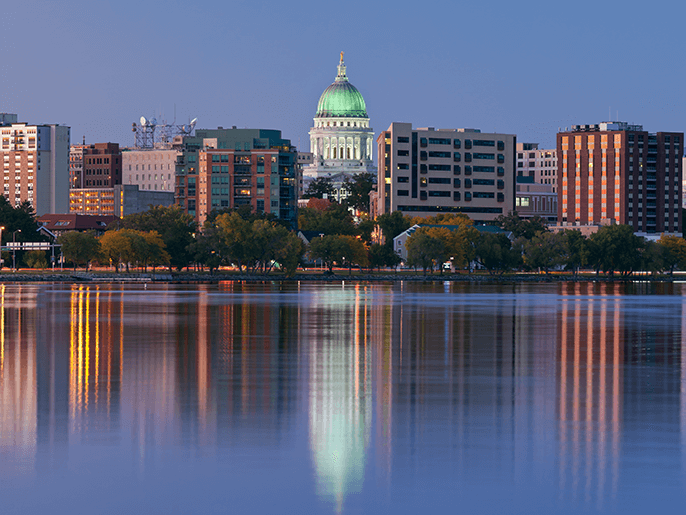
x,y
403,193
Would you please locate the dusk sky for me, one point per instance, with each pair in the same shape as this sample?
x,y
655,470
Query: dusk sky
x,y
515,67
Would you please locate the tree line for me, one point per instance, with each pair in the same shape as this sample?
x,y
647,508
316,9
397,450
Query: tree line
x,y
528,245
260,243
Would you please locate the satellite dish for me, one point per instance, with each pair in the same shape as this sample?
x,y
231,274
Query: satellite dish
x,y
194,121
143,120
153,121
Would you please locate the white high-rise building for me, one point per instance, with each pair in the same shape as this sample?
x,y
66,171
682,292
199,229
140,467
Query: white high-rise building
x,y
150,169
540,164
35,164
341,140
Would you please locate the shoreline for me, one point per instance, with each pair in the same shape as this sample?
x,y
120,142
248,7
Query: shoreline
x,y
206,277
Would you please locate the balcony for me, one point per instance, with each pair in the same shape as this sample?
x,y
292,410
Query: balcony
x,y
242,170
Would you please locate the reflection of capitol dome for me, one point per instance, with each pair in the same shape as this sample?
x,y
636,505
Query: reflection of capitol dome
x,y
341,140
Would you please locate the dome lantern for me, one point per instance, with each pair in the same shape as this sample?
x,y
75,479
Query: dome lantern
x,y
341,99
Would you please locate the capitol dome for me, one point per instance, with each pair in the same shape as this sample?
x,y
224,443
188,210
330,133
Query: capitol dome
x,y
341,99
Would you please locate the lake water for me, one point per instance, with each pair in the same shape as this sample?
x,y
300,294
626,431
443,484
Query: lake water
x,y
342,398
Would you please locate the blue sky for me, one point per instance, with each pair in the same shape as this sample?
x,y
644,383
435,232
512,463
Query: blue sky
x,y
516,67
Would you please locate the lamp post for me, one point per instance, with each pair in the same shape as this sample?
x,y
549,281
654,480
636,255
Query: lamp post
x,y
14,249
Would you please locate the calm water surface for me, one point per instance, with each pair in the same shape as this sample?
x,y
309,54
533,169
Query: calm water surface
x,y
342,398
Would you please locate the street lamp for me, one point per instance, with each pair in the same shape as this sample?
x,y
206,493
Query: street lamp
x,y
14,249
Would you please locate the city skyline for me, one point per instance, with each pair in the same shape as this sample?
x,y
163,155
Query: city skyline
x,y
526,69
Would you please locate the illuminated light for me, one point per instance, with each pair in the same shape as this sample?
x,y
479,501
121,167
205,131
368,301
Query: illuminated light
x,y
2,330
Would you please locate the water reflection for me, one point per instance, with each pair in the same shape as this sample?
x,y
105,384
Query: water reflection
x,y
362,391
340,392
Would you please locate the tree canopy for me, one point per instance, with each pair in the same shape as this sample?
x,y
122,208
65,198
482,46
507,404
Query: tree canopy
x,y
321,187
359,186
175,227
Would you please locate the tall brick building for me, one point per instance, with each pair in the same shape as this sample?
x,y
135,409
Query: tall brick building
x,y
35,164
95,166
229,168
616,172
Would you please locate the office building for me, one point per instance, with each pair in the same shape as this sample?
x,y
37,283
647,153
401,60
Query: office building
x,y
614,172
230,168
539,164
120,200
426,171
535,199
35,164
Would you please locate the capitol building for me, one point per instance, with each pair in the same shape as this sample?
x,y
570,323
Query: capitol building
x,y
341,140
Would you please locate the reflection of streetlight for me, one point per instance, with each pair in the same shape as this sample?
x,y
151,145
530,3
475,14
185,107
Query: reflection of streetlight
x,y
14,249
1,229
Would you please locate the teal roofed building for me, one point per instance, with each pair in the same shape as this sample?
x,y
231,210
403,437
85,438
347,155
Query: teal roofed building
x,y
341,140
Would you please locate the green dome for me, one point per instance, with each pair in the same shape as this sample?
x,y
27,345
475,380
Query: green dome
x,y
341,99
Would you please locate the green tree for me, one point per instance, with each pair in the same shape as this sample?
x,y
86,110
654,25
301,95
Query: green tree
x,y
521,227
328,249
321,187
80,248
116,247
615,248
653,257
338,249
175,227
359,186
495,252
234,234
365,228
36,259
393,224
578,250
675,252
461,242
545,250
335,219
382,255
153,252
426,248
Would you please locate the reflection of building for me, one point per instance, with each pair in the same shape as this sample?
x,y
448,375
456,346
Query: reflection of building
x,y
18,388
341,140
340,393
591,387
427,171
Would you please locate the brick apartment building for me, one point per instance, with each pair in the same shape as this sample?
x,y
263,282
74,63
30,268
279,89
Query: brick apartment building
x,y
616,172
